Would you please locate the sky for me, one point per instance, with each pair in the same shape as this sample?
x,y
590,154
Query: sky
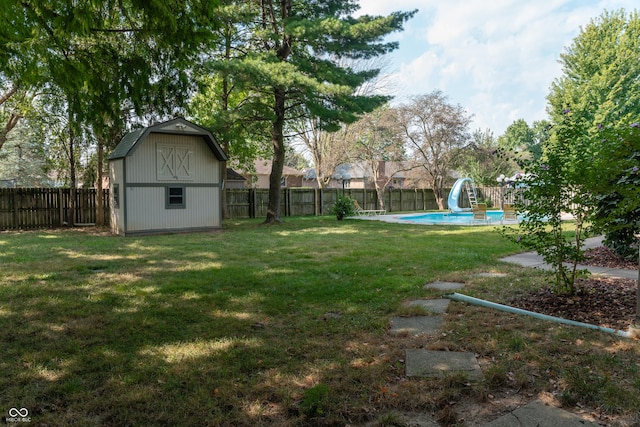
x,y
495,58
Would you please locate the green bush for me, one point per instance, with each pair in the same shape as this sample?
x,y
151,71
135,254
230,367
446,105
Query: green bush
x,y
618,207
557,183
343,207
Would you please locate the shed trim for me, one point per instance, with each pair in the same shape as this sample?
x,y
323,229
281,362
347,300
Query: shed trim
x,y
131,141
169,231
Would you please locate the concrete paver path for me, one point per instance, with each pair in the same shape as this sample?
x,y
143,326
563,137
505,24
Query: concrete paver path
x,y
428,363
532,259
537,414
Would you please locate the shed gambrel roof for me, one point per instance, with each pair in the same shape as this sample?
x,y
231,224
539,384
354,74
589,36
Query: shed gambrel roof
x,y
179,126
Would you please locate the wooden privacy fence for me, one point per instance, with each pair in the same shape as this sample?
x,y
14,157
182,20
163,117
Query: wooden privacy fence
x,y
252,203
26,208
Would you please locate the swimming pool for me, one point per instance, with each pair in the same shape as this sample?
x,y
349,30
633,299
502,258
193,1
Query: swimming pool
x,y
459,218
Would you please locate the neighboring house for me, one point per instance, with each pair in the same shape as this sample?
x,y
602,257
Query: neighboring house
x,y
359,175
166,178
259,178
105,180
234,180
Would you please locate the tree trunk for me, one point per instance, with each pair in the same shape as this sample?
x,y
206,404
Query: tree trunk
x,y
72,104
277,139
72,175
225,107
375,174
13,119
438,193
637,320
99,189
12,122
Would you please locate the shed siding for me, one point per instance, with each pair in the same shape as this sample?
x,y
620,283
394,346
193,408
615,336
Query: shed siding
x,y
146,209
116,178
143,164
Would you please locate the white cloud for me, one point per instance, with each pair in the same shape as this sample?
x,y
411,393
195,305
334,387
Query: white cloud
x,y
497,59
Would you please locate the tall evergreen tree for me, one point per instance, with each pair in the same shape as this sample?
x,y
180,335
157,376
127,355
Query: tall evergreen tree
x,y
221,103
297,46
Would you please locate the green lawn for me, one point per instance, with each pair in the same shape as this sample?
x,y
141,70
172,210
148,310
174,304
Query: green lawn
x,y
271,325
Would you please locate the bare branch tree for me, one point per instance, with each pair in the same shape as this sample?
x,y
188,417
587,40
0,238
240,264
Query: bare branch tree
x,y
376,140
434,130
330,149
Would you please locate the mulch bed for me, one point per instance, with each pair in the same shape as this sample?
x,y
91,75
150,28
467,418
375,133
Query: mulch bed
x,y
607,302
605,257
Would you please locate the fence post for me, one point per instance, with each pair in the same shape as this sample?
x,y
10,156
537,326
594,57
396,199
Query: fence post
x,y
254,203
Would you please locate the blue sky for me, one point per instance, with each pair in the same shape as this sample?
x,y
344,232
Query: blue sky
x,y
496,58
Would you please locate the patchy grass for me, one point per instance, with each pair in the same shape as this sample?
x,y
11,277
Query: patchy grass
x,y
280,325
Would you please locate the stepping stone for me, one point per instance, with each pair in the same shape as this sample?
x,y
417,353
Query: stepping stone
x,y
428,363
492,275
538,414
527,259
433,305
416,325
444,286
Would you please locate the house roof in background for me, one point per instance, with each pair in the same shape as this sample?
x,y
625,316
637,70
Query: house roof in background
x,y
263,167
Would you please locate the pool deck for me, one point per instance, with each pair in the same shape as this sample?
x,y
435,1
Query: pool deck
x,y
401,219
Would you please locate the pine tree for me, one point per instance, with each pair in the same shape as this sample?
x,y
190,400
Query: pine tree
x,y
294,66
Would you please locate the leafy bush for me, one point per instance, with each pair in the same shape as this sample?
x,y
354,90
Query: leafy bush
x,y
557,183
343,207
618,208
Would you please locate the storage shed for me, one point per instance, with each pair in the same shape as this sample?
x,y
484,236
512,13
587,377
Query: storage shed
x,y
166,178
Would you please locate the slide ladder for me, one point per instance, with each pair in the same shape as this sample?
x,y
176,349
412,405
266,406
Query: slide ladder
x,y
471,193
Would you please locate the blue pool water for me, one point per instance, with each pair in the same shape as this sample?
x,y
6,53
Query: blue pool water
x,y
450,218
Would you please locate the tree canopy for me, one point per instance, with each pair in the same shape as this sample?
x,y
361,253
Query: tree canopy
x,y
523,139
600,91
600,69
294,68
435,131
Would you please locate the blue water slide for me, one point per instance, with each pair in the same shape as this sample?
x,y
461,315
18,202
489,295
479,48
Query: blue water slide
x,y
454,195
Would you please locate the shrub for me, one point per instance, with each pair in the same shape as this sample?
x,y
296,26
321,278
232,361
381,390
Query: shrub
x,y
618,194
557,183
343,207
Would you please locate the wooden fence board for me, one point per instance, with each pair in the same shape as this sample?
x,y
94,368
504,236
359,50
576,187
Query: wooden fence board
x,y
27,208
